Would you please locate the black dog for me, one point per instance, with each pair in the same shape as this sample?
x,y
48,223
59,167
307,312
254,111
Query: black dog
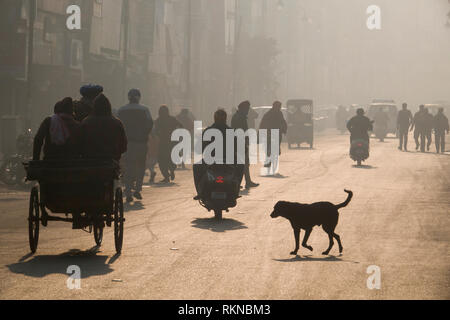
x,y
307,216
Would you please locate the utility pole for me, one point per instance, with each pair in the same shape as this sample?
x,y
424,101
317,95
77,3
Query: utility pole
x,y
30,53
189,55
126,27
237,29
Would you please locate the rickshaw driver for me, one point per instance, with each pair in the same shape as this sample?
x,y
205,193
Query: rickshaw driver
x,y
359,126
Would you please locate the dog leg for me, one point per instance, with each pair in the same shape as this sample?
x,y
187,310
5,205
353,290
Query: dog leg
x,y
338,238
297,240
305,240
326,252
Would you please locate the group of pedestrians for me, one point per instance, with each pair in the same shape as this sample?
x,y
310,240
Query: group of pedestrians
x,y
423,123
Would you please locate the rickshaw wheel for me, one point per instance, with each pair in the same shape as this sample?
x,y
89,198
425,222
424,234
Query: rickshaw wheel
x,y
98,235
33,220
118,220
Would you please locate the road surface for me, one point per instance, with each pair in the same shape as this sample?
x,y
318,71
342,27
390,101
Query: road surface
x,y
398,220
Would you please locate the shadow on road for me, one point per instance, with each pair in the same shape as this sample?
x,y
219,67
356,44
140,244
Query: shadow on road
x,y
165,185
218,225
244,192
364,166
135,206
89,262
275,176
311,258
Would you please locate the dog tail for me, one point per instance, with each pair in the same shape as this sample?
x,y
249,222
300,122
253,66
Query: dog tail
x,y
344,204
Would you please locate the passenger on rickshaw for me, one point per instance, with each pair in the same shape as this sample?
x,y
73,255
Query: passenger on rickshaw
x,y
84,107
103,135
60,134
300,117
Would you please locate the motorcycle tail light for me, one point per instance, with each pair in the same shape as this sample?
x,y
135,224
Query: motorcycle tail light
x,y
359,144
219,179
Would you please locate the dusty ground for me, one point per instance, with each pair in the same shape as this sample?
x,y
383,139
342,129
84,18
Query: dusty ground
x,y
398,220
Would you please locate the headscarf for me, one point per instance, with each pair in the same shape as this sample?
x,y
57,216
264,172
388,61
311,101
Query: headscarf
x,y
59,132
163,111
102,106
90,91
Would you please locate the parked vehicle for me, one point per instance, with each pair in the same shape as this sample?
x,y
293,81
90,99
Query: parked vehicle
x,y
11,169
300,122
390,108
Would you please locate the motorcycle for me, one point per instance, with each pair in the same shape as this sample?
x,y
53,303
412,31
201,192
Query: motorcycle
x,y
11,170
218,187
381,132
359,150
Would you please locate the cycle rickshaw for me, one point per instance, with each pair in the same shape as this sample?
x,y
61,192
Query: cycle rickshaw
x,y
85,191
300,122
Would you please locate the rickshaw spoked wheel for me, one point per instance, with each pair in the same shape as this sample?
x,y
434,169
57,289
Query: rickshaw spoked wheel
x,y
118,220
98,235
33,220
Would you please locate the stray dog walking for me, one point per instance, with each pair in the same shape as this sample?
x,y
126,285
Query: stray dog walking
x,y
307,216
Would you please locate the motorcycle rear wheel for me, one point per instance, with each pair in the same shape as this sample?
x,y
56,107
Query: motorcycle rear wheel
x,y
218,214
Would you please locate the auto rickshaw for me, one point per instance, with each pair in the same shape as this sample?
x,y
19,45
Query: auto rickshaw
x,y
300,122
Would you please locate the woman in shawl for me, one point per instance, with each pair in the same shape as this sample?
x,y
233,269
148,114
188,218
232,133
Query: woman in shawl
x,y
60,134
103,134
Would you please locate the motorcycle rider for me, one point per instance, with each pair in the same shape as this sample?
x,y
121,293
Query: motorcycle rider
x,y
359,126
220,123
404,120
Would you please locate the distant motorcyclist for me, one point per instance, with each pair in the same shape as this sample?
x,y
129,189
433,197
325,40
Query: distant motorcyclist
x,y
441,127
381,124
359,126
418,125
404,120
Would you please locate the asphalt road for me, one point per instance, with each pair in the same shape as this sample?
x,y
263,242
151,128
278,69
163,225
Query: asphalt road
x,y
398,220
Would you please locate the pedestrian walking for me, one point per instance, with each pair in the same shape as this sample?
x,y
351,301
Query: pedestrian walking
x,y
441,127
138,124
165,125
239,121
404,120
273,120
418,125
429,126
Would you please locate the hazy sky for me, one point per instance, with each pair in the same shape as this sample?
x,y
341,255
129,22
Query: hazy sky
x,y
336,59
